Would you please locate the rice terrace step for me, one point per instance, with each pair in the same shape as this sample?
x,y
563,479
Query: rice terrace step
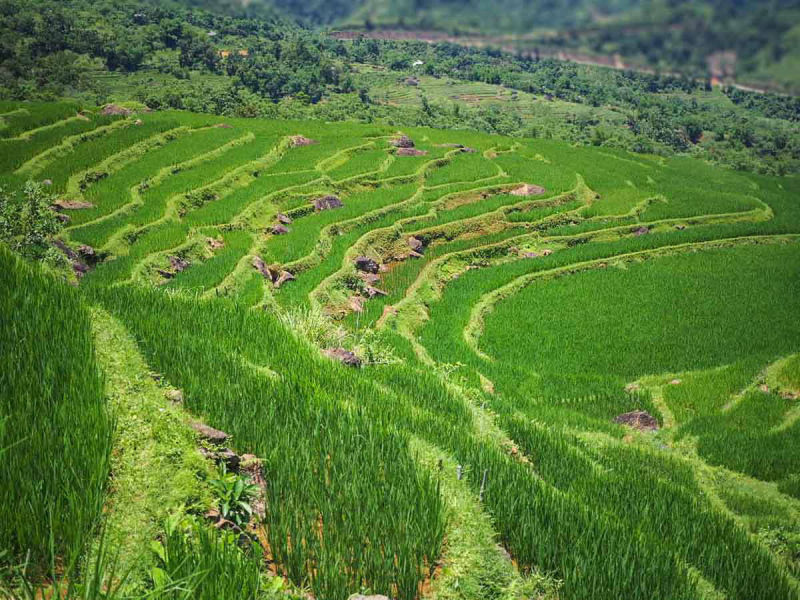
x,y
334,360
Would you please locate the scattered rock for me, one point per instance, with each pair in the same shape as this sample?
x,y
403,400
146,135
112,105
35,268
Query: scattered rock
x,y
530,255
632,387
223,126
63,218
178,264
402,142
299,140
174,396
47,182
80,268
675,382
764,388
415,244
413,81
283,278
680,227
369,278
528,189
356,304
371,292
640,231
366,264
279,230
546,252
414,254
638,419
138,122
410,152
214,244
468,150
230,458
284,219
215,436
343,356
260,266
328,202
451,145
165,274
71,205
89,254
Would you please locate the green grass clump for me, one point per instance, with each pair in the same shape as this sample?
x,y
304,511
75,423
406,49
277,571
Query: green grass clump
x,y
57,434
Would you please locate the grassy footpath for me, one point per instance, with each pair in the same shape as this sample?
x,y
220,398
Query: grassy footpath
x,y
157,470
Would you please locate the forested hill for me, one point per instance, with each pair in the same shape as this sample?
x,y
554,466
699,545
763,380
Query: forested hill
x,y
756,42
169,55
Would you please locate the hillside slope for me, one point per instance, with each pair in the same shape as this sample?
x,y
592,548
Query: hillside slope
x,y
578,367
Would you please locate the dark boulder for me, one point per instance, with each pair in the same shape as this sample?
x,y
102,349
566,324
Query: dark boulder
x,y
230,458
284,219
415,244
366,264
209,434
402,142
328,202
343,356
638,419
279,230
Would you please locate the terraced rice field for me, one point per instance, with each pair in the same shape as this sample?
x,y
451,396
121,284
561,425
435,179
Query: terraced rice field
x,y
525,294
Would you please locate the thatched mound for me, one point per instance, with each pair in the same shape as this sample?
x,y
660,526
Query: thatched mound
x,y
638,419
528,189
299,140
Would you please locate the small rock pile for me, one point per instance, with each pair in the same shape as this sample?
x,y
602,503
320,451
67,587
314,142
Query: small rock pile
x,y
274,274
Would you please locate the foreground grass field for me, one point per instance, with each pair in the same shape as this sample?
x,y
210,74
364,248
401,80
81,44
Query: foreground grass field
x,y
509,299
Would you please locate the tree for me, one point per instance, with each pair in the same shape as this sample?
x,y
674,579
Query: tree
x,y
27,220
